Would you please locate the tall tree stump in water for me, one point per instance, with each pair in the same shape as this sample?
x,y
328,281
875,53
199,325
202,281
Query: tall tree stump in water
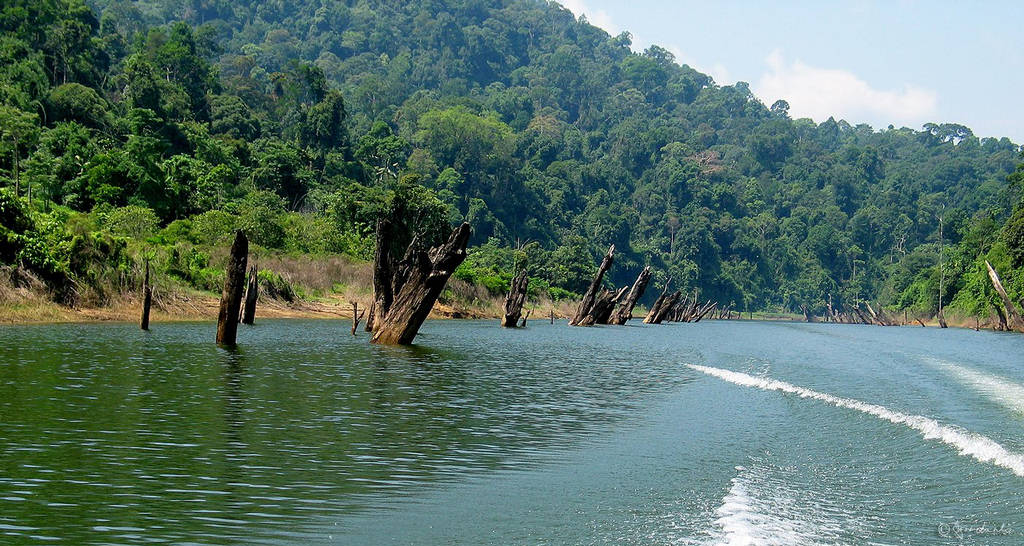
x,y
658,303
604,306
147,299
252,292
514,301
708,308
587,303
231,297
658,315
415,285
356,317
625,311
1014,320
383,273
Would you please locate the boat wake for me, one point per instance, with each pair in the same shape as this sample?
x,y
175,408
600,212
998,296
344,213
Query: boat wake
x,y
765,507
998,389
966,443
746,520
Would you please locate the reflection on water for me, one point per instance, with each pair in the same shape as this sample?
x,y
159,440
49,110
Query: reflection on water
x,y
709,433
114,435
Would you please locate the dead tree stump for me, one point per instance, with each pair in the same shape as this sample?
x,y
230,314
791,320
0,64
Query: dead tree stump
x,y
658,303
522,323
625,311
356,317
860,314
231,297
604,306
147,299
708,307
587,304
415,285
383,273
1013,318
252,292
662,311
514,301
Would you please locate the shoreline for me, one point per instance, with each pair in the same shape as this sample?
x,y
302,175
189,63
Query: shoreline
x,y
202,308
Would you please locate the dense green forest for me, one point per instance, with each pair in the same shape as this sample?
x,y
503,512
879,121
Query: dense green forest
x,y
158,127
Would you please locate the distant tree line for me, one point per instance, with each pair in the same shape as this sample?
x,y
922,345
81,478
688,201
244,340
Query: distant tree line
x,y
176,123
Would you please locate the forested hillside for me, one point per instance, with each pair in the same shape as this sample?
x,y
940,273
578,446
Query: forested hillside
x,y
159,127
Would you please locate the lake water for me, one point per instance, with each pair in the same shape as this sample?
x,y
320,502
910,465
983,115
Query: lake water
x,y
710,433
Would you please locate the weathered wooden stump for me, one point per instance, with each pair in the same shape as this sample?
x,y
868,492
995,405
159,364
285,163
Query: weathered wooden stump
x,y
860,315
514,301
231,297
1013,318
383,273
708,307
356,317
587,303
414,287
604,306
147,299
252,292
625,310
658,304
657,316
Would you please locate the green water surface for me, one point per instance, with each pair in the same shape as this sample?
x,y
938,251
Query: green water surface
x,y
479,435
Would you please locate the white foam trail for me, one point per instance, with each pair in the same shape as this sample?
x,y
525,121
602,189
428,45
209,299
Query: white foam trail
x,y
980,447
998,389
768,506
746,520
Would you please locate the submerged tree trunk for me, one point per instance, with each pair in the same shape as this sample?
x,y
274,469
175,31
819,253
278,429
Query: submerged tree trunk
x,y
625,311
605,306
231,297
583,312
1002,319
147,299
522,323
662,311
356,317
875,316
252,293
860,315
708,307
369,317
514,300
383,273
416,284
653,311
1012,316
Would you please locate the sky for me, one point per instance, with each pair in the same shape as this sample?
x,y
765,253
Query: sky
x,y
898,62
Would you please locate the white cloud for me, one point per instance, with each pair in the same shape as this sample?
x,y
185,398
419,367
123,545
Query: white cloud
x,y
818,93
599,18
717,71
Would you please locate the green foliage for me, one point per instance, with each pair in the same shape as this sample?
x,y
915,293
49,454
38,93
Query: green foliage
x,y
76,102
274,286
305,124
214,227
131,221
